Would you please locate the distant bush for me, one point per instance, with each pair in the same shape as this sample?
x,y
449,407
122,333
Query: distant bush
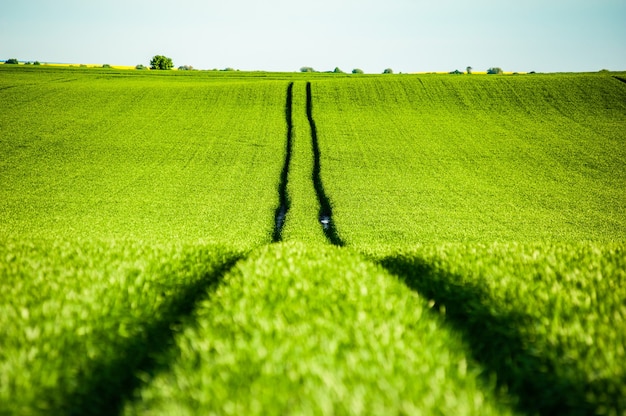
x,y
357,71
495,71
12,61
456,72
105,66
307,69
469,70
140,67
185,68
36,63
229,69
338,71
388,71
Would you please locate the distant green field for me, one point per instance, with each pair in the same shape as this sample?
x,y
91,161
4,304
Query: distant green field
x,y
266,243
91,154
463,159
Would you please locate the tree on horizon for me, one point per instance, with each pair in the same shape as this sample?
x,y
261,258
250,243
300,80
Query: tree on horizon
x,y
161,62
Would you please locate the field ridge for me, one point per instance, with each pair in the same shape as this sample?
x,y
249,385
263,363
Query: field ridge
x,y
316,329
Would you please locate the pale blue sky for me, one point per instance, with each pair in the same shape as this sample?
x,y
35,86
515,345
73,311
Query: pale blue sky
x,y
283,35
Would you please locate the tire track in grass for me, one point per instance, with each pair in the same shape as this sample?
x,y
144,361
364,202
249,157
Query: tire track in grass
x,y
283,197
325,213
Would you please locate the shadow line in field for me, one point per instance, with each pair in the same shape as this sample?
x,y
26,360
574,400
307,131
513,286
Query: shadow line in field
x,y
325,215
620,79
496,342
283,197
109,383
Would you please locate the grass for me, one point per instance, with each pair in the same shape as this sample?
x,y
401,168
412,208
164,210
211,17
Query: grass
x,y
501,200
103,182
548,320
312,329
440,159
139,157
481,218
82,320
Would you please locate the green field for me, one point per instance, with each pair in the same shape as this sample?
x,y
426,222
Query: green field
x,y
162,249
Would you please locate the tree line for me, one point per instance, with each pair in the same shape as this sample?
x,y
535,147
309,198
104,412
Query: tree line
x,y
163,63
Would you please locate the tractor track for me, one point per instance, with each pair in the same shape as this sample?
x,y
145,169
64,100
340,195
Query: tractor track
x,y
283,197
325,216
